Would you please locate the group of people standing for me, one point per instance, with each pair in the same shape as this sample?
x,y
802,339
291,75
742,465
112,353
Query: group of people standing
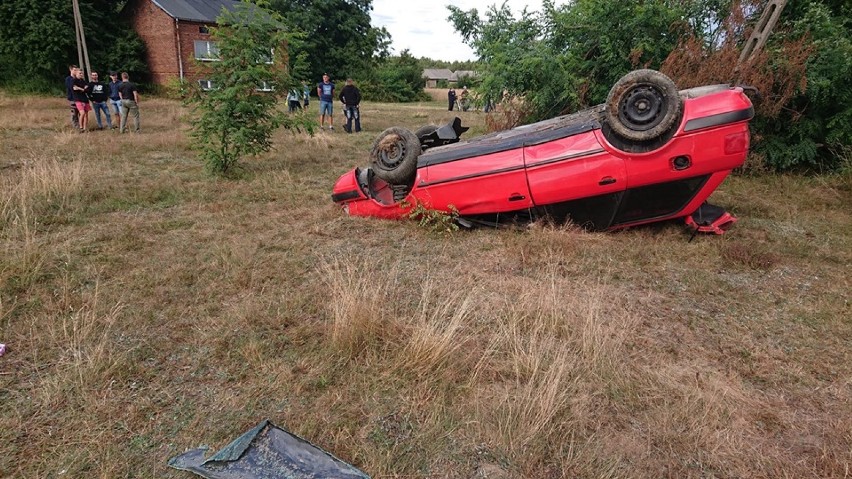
x,y
84,96
462,101
295,97
350,96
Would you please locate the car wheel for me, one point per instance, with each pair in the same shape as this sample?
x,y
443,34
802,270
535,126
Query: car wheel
x,y
425,130
394,155
642,106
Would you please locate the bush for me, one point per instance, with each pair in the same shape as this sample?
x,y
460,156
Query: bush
x,y
235,119
398,79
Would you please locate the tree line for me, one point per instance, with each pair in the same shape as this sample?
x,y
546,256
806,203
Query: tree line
x,y
37,43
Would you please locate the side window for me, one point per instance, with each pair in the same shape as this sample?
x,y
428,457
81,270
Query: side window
x,y
267,59
206,51
206,85
203,29
657,201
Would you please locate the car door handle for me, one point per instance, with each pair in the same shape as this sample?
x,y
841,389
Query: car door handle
x,y
608,180
517,197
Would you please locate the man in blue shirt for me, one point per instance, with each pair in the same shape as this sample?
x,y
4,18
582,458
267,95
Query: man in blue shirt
x,y
325,92
114,97
69,90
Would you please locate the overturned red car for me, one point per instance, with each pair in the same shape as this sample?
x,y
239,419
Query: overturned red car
x,y
650,153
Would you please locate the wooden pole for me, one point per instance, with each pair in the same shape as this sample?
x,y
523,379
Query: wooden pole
x,y
78,18
77,35
770,16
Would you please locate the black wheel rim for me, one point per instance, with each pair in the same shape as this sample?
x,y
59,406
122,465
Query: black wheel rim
x,y
642,108
393,154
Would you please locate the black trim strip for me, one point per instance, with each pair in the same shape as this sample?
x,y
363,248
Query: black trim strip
x,y
473,175
566,157
719,119
346,195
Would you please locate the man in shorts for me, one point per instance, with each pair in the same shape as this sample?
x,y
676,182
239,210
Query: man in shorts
x,y
325,92
81,99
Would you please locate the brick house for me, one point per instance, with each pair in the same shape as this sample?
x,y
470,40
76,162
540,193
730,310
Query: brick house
x,y
176,35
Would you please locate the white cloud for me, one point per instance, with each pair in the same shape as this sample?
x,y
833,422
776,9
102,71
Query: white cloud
x,y
424,30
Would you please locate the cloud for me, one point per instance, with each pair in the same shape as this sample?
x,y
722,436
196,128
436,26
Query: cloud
x,y
424,30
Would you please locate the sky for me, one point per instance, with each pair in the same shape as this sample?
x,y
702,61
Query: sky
x,y
422,27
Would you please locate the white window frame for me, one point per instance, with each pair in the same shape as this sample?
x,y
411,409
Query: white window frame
x,y
209,49
265,86
271,56
206,85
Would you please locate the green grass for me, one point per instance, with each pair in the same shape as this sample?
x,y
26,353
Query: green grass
x,y
149,308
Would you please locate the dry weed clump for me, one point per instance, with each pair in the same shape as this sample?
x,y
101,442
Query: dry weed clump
x,y
362,311
557,345
435,335
87,354
755,256
507,114
41,188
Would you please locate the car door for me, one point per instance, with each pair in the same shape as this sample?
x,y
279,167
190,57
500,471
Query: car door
x,y
575,178
479,184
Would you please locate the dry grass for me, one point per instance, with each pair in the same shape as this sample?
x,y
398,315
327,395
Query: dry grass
x,y
149,308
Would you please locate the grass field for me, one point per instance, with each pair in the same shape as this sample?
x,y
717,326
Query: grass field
x,y
149,308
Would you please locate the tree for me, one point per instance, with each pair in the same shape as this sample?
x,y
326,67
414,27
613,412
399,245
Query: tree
x,y
235,118
37,41
569,56
513,59
396,79
339,39
814,130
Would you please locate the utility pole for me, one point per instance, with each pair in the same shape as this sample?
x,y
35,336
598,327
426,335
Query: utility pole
x,y
82,50
761,32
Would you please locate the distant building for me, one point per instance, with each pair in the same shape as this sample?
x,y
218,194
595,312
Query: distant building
x,y
434,75
176,34
459,74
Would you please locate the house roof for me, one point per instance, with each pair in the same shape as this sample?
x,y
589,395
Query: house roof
x,y
196,10
437,74
463,73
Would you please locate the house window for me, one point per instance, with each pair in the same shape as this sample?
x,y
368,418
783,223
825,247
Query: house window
x,y
206,85
206,51
267,58
265,86
203,29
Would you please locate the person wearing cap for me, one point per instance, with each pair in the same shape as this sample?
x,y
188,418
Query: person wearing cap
x,y
325,92
114,97
98,93
351,98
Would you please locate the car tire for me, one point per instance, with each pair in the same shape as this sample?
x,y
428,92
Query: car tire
x,y
425,130
393,156
643,106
